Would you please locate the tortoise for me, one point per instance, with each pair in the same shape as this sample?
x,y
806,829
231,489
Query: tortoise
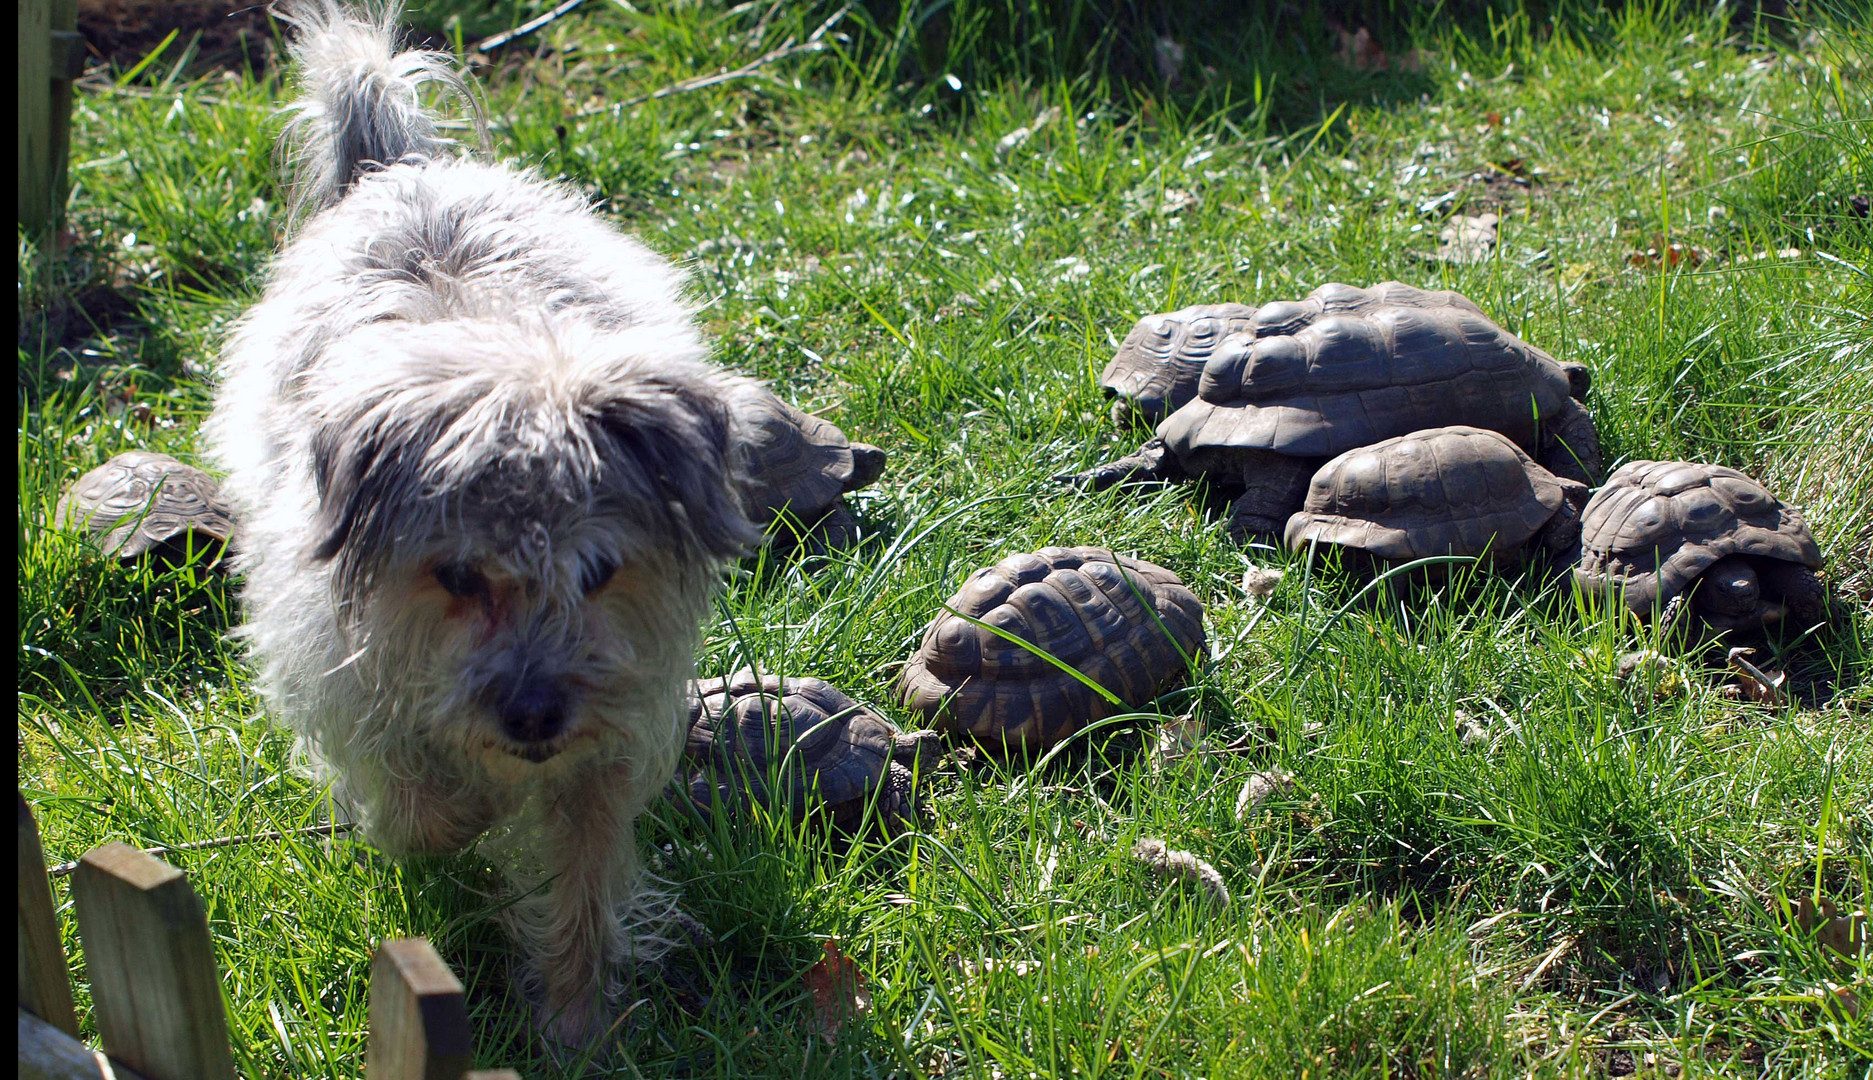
x,y
1442,491
1348,367
801,464
831,748
1128,625
1661,534
1158,364
144,503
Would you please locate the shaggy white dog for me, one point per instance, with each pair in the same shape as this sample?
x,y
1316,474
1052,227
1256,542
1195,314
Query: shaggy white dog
x,y
485,482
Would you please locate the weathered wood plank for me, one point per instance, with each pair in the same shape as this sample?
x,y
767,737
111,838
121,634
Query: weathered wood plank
x,y
46,1053
419,1023
151,965
45,986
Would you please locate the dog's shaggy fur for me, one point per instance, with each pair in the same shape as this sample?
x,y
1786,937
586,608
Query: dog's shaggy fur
x,y
485,479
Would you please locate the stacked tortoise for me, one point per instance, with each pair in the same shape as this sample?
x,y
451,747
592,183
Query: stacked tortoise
x,y
1443,491
1158,364
799,465
143,503
1664,534
1125,624
747,734
1346,368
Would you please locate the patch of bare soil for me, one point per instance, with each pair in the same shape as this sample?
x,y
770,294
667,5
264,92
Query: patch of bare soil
x,y
232,36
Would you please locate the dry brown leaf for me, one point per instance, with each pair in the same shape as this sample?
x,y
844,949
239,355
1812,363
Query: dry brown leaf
x,y
838,989
1466,239
1669,257
1762,687
1360,52
1176,739
1845,934
1259,581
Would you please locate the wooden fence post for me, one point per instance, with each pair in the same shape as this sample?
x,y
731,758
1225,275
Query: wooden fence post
x,y
419,1023
45,985
51,56
152,967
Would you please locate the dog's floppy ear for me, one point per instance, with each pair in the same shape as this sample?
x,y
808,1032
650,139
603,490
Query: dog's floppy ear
x,y
672,441
360,474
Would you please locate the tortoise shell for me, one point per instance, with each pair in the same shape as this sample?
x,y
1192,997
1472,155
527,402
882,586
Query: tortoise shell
x,y
1158,364
1126,624
744,731
1451,490
798,462
1348,367
1657,525
142,502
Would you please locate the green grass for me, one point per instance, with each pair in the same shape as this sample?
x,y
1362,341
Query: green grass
x,y
1604,883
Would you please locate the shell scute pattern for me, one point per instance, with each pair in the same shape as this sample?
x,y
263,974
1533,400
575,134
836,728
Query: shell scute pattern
x,y
1454,490
1124,623
800,464
1348,367
743,727
140,501
1157,365
1657,525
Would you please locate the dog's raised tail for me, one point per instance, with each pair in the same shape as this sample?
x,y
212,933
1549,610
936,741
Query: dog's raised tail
x,y
359,106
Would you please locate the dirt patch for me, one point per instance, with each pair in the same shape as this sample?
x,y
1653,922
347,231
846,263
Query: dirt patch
x,y
228,36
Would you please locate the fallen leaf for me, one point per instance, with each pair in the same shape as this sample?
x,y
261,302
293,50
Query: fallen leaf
x,y
1845,934
1757,685
1259,582
1669,257
1466,240
1360,52
1847,1002
1651,666
1176,739
1493,118
839,992
1258,790
1470,729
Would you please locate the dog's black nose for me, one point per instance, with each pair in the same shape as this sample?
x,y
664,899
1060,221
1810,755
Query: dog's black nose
x,y
534,710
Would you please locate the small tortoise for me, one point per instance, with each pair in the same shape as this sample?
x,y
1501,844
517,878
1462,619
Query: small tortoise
x,y
744,731
1658,528
1128,625
801,464
1159,362
142,503
1347,368
1443,491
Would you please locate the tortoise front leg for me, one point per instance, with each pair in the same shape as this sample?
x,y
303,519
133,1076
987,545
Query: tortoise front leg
x,y
1150,463
1276,486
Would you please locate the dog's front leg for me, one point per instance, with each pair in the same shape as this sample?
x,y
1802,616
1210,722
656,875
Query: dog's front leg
x,y
584,933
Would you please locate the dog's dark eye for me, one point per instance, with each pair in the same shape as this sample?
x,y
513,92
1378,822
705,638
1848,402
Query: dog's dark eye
x,y
596,573
461,580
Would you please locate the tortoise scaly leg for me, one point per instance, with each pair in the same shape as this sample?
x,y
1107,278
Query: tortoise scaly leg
x,y
1276,486
1150,463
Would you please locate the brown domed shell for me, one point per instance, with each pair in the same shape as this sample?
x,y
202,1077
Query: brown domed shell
x,y
1158,364
141,502
796,461
744,730
1657,525
1126,624
1443,491
1348,367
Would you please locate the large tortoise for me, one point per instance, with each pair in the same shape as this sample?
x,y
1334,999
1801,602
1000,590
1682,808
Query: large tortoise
x,y
1662,534
1346,368
1443,491
1158,364
799,465
144,503
1128,625
746,733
